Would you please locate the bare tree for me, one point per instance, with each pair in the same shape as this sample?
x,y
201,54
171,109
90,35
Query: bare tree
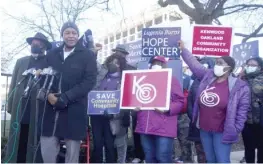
x,y
52,14
209,11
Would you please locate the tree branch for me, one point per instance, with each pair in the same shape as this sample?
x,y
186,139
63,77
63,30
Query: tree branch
x,y
244,6
254,34
198,5
48,21
181,4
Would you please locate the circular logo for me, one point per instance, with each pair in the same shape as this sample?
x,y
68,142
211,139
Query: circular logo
x,y
209,99
146,94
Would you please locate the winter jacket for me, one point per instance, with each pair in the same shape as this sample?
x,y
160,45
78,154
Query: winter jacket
x,y
154,123
255,82
194,134
77,76
118,122
239,99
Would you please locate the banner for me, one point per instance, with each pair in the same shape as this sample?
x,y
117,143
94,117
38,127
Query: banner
x,y
99,101
175,65
212,40
140,88
161,41
135,53
243,52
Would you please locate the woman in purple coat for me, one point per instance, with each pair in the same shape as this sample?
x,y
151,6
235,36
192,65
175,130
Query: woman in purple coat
x,y
221,105
158,128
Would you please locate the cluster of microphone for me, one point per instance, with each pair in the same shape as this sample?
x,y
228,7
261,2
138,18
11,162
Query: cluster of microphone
x,y
34,77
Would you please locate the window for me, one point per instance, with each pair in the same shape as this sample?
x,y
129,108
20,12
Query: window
x,y
111,46
112,39
173,16
132,38
124,41
139,27
165,17
158,20
106,41
132,31
118,36
139,35
3,85
125,33
149,23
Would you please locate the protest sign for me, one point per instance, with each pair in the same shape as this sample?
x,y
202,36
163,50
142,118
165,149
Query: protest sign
x,y
139,88
135,53
161,41
99,101
175,65
243,52
212,40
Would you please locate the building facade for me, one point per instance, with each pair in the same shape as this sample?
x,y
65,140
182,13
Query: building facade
x,y
130,30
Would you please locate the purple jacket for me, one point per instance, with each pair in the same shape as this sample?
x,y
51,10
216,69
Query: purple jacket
x,y
239,98
154,123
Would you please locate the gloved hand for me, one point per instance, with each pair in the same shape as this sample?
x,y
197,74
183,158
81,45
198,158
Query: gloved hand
x,y
62,102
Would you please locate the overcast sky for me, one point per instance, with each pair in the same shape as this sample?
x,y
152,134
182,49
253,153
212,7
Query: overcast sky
x,y
99,21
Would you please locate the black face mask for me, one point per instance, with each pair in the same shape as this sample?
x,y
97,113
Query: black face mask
x,y
112,68
35,49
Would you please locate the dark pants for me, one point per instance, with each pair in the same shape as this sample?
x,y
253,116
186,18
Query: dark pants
x,y
157,149
102,136
253,139
138,151
22,145
200,152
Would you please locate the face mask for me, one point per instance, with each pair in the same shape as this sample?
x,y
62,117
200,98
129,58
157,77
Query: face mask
x,y
112,68
35,49
205,65
157,67
219,70
251,69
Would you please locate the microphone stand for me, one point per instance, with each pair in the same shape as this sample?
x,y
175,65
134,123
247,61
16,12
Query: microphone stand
x,y
42,96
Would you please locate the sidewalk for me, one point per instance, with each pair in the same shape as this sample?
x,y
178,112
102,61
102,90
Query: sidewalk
x,y
235,156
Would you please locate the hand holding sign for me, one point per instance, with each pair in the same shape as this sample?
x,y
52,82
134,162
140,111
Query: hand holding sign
x,y
160,111
137,109
181,45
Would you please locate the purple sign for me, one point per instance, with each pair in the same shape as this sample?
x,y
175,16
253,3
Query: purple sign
x,y
161,41
135,53
245,51
99,101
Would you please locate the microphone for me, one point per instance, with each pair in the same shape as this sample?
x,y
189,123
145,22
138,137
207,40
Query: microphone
x,y
32,81
42,91
25,74
52,73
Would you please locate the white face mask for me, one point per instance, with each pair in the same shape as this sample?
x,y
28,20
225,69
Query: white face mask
x,y
219,70
157,67
205,65
251,69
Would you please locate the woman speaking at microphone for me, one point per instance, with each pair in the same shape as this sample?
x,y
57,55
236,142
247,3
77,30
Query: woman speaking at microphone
x,y
158,128
221,105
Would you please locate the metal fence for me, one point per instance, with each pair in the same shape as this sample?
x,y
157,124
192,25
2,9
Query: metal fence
x,y
5,117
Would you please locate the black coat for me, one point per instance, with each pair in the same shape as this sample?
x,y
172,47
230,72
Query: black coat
x,y
78,76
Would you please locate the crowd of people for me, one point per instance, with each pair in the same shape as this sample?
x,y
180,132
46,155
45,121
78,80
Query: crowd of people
x,y
210,110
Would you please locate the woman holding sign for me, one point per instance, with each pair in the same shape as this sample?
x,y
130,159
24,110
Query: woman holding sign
x,y
158,128
221,105
110,130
